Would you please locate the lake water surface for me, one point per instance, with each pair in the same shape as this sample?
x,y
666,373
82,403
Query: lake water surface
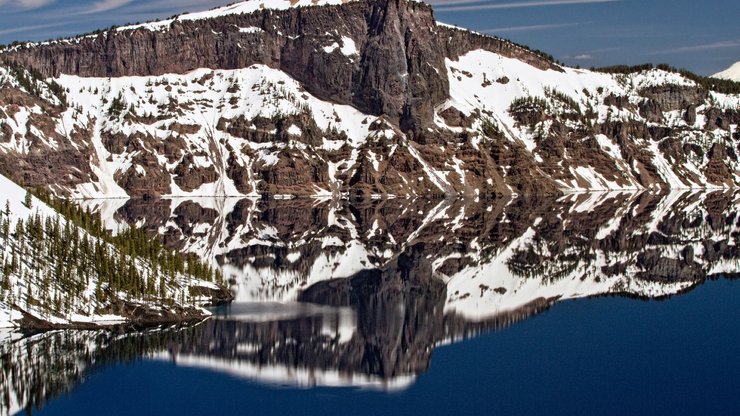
x,y
585,304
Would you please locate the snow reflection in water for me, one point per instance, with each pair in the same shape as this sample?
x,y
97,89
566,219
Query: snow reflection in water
x,y
338,294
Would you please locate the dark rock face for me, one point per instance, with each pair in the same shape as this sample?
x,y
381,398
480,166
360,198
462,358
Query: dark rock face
x,y
458,42
716,119
68,163
650,109
674,97
190,177
690,115
454,117
617,101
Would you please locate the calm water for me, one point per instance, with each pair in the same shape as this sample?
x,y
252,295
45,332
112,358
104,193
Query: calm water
x,y
591,304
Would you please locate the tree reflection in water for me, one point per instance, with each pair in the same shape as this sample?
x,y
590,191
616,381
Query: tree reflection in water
x,y
333,293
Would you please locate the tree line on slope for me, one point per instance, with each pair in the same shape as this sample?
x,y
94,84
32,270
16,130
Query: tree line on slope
x,y
32,81
724,86
50,264
133,241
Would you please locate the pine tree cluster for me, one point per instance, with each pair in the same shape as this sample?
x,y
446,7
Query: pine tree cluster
x,y
52,265
133,242
724,86
32,81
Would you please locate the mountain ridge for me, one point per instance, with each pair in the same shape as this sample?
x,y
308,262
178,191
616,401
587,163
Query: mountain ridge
x,y
732,73
363,99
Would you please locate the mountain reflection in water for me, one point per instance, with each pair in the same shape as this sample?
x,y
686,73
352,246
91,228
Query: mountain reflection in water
x,y
333,293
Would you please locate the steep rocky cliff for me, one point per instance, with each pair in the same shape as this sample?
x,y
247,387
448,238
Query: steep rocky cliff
x,y
363,98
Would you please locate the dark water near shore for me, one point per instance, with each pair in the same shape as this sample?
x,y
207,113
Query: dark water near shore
x,y
583,305
596,356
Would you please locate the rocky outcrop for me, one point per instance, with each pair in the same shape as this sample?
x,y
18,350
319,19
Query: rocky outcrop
x,y
674,97
457,42
68,164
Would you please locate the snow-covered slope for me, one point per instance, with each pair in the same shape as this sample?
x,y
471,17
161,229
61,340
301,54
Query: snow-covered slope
x,y
41,291
253,131
474,88
243,7
732,73
205,104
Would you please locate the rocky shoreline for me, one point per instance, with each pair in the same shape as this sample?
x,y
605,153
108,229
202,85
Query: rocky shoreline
x,y
133,315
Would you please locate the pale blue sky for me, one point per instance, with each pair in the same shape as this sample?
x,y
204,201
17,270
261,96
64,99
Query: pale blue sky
x,y
701,36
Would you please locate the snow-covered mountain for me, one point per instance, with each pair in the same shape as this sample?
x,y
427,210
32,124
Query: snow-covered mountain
x,y
732,73
364,98
238,8
39,291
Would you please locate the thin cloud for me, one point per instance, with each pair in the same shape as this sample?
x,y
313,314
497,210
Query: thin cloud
x,y
518,5
529,28
725,44
25,4
591,54
170,7
452,2
24,29
602,50
160,9
106,5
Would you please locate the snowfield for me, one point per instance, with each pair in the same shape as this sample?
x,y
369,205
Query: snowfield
x,y
266,92
588,89
262,92
244,7
731,73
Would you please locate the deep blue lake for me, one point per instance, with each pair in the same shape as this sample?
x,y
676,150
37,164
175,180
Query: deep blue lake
x,y
593,356
583,304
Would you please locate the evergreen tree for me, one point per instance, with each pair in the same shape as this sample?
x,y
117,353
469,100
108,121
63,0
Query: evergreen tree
x,y
50,263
